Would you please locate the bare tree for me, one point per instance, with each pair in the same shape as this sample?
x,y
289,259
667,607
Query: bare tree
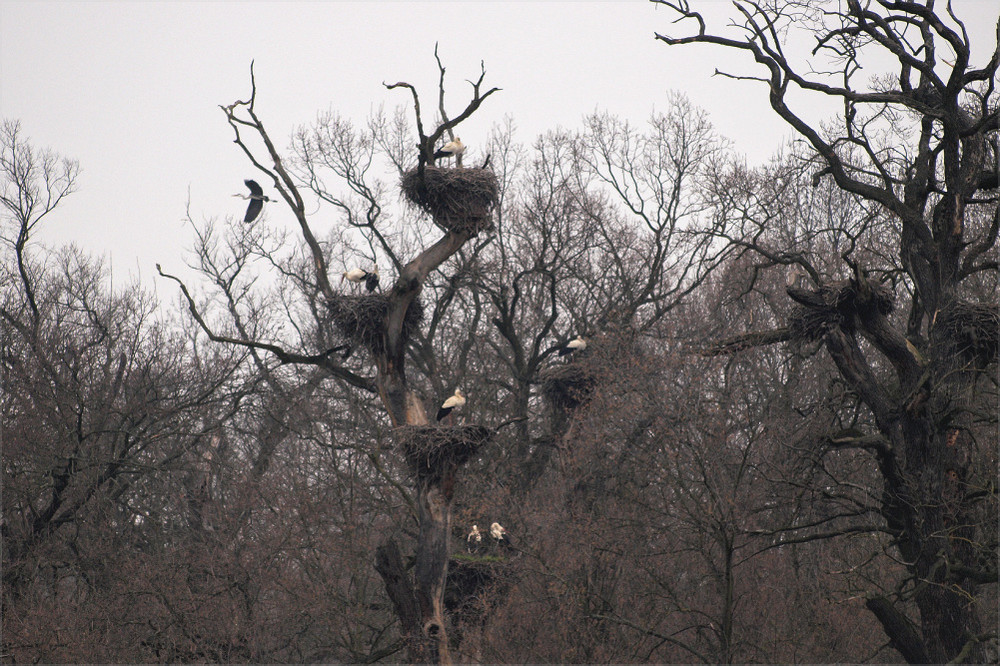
x,y
99,404
460,202
916,148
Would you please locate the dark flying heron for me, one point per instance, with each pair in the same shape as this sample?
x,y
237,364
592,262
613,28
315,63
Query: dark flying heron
x,y
256,198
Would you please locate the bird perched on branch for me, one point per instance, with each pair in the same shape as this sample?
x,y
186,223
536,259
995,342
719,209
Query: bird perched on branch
x,y
357,275
577,344
451,149
256,198
449,405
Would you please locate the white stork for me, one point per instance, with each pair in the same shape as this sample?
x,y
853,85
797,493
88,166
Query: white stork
x,y
499,534
456,400
358,275
578,343
474,540
256,198
451,149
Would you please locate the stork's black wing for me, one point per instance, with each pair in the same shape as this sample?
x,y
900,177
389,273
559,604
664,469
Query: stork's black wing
x,y
371,282
255,189
253,210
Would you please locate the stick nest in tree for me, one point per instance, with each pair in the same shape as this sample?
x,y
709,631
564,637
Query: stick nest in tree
x,y
456,199
568,386
432,451
362,319
974,329
836,305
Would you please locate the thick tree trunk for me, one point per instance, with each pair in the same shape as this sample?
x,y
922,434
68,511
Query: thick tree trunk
x,y
419,602
923,500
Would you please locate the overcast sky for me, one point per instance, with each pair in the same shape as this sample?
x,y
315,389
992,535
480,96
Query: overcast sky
x,y
132,90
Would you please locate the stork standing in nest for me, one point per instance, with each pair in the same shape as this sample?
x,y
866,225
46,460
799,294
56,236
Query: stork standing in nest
x,y
452,149
358,275
577,344
474,540
449,405
499,534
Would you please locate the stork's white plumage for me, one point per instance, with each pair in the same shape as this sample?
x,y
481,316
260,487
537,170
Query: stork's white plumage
x,y
577,344
450,149
455,401
354,275
497,531
474,539
357,275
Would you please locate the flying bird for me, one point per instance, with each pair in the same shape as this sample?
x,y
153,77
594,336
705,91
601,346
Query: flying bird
x,y
451,149
457,400
578,343
256,198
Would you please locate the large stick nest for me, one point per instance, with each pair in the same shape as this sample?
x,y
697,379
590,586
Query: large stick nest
x,y
973,327
432,451
362,319
456,199
836,305
568,386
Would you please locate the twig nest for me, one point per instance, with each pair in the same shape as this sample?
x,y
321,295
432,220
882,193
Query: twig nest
x,y
974,329
433,451
362,319
568,386
836,304
456,199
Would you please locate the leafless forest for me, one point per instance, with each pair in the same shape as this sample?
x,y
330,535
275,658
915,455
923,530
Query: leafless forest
x,y
778,443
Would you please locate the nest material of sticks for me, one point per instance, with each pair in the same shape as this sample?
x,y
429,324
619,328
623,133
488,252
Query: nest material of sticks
x,y
456,199
362,319
474,586
568,386
974,328
431,451
836,304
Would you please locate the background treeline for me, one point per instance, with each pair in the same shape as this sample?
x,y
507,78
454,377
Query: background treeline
x,y
771,450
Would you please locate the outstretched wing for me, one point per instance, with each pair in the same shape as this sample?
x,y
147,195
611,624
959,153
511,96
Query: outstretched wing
x,y
253,210
255,189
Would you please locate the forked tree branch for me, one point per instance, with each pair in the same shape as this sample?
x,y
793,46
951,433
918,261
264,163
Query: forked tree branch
x,y
282,180
322,359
